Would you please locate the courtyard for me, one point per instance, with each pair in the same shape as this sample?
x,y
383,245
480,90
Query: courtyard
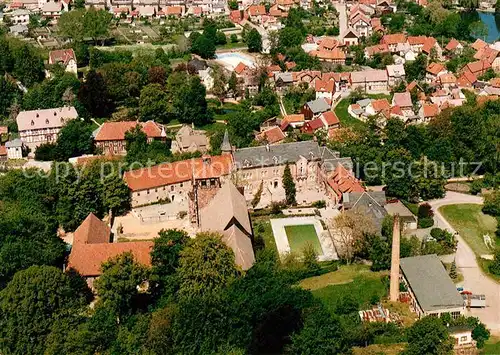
x,y
293,234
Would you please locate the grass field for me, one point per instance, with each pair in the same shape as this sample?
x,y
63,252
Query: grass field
x,y
347,120
351,281
300,236
472,224
492,346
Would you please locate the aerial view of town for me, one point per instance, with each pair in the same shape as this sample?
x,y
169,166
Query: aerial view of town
x,y
230,177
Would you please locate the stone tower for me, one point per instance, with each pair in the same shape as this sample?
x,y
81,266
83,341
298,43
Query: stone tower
x,y
226,145
394,286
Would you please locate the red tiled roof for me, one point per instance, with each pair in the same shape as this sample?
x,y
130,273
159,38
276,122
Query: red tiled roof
x,y
477,67
447,78
394,38
335,54
3,150
430,110
313,125
428,45
240,68
396,110
416,40
256,10
452,45
61,56
342,181
324,86
435,68
466,79
377,49
115,131
402,99
92,231
272,135
328,43
330,118
87,258
479,44
290,65
294,118
381,104
173,10
177,172
487,54
495,82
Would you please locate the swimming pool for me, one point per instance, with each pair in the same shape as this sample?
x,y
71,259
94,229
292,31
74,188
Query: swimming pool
x,y
231,60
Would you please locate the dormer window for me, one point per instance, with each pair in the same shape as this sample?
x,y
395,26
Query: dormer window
x,y
62,120
33,122
55,113
37,115
275,160
46,121
246,162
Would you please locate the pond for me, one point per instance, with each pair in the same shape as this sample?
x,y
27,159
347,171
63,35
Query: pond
x,y
491,21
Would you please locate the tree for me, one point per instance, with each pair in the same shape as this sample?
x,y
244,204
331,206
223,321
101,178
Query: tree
x,y
491,204
74,139
190,104
117,286
254,41
204,46
28,66
233,84
416,70
453,270
96,24
70,25
206,266
8,94
289,186
497,7
93,95
157,75
219,87
379,254
350,229
233,5
234,38
479,29
153,103
429,336
31,303
321,332
310,258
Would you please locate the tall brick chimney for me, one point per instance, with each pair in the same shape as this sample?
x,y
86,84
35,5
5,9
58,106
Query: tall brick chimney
x,y
394,287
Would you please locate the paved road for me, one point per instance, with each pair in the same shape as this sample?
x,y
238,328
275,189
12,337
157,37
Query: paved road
x,y
474,279
342,10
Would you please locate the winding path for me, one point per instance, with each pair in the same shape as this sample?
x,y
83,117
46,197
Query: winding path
x,y
474,278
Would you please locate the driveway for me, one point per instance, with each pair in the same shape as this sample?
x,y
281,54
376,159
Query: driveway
x,y
474,279
342,10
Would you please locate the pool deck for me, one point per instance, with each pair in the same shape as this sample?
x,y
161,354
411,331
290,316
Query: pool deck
x,y
231,59
278,227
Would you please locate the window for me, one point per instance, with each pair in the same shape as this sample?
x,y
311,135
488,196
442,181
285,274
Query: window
x,y
172,188
33,122
181,184
455,315
138,194
148,192
47,121
462,339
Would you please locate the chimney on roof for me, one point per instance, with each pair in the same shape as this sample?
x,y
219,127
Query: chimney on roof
x,y
394,285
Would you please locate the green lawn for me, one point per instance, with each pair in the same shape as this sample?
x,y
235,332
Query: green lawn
x,y
492,346
352,281
472,224
347,120
300,236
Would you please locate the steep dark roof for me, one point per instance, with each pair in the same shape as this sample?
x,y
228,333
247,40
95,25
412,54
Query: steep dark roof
x,y
282,154
430,283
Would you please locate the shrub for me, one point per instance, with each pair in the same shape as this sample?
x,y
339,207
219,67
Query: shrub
x,y
258,194
319,204
425,222
476,186
346,305
46,152
425,210
310,258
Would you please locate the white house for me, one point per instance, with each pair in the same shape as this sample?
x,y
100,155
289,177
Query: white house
x,y
15,149
206,78
66,58
20,17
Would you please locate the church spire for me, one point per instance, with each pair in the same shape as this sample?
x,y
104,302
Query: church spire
x,y
226,145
